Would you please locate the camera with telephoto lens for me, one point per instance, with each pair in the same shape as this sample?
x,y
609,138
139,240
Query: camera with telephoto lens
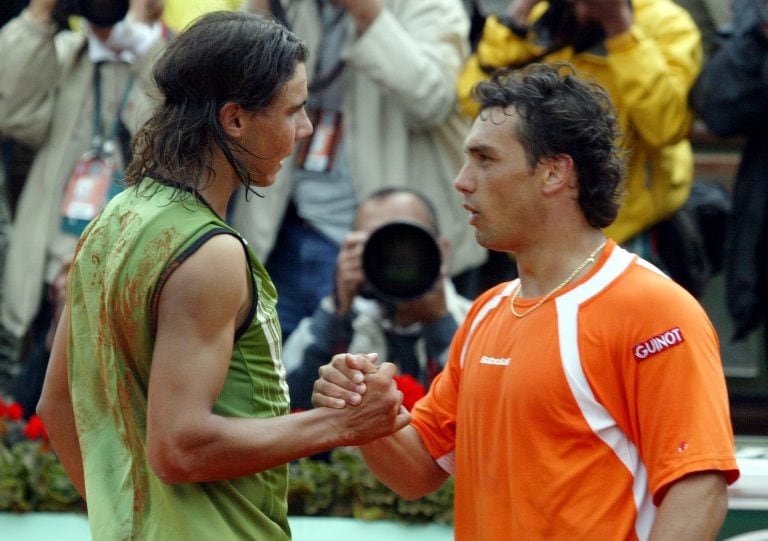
x,y
401,262
101,13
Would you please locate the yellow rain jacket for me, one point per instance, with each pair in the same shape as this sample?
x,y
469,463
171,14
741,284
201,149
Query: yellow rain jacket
x,y
648,71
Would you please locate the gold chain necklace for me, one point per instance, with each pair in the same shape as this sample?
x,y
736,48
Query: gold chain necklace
x,y
513,298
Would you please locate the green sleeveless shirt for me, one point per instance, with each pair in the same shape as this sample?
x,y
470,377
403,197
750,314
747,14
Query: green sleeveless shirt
x,y
123,259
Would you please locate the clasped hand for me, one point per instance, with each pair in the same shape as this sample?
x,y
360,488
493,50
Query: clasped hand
x,y
371,402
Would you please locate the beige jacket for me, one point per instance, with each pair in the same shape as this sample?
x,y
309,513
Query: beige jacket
x,y
402,124
44,78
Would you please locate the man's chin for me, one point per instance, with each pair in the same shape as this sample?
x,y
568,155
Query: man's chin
x,y
480,239
487,243
270,178
264,181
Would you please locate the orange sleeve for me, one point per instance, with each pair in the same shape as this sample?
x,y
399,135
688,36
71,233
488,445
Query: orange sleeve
x,y
682,421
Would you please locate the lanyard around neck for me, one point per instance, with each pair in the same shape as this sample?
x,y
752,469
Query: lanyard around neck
x,y
98,142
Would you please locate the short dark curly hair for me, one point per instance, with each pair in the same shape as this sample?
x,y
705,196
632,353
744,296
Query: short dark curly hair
x,y
561,113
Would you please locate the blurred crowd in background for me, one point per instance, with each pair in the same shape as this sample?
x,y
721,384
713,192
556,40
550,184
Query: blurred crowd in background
x,y
390,99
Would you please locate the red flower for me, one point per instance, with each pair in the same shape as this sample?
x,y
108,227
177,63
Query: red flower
x,y
412,390
14,411
3,409
34,429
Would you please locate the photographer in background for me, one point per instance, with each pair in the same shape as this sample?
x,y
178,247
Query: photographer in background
x,y
383,102
647,55
75,98
363,314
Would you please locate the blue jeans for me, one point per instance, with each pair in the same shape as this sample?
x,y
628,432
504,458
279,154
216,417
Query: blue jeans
x,y
302,265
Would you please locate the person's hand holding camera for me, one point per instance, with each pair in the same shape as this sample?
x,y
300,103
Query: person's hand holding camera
x,y
349,271
614,16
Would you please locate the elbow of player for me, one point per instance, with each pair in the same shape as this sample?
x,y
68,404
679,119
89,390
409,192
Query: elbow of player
x,y
412,495
411,492
51,407
171,462
414,487
44,410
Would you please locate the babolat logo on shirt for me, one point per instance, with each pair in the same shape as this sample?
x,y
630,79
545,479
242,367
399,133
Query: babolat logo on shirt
x,y
494,360
661,342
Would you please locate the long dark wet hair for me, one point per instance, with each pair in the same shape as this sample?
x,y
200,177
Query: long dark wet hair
x,y
224,56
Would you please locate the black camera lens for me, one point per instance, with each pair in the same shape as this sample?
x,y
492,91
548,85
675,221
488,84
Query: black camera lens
x,y
401,261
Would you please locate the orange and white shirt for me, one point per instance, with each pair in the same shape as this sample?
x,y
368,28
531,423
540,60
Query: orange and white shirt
x,y
571,422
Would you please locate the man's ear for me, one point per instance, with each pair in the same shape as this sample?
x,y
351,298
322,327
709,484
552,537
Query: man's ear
x,y
559,173
231,119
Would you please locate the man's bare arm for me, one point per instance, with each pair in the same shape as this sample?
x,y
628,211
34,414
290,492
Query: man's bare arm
x,y
200,307
402,462
55,408
693,509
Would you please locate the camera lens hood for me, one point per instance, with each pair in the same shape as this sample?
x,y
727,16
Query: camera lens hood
x,y
401,261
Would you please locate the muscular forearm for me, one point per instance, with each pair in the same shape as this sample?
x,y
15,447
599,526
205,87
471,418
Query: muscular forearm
x,y
693,509
191,444
403,464
225,447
